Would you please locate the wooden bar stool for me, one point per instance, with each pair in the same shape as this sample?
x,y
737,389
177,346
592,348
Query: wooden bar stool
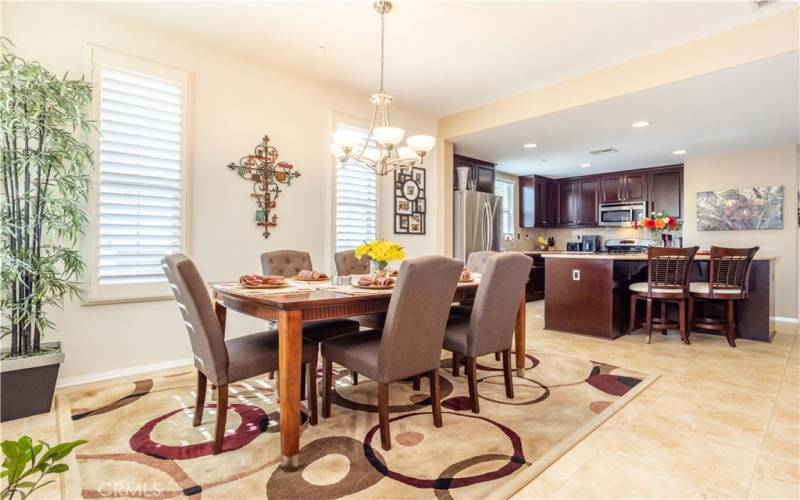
x,y
728,281
667,281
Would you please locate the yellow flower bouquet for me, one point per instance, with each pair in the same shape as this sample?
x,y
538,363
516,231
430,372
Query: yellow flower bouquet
x,y
381,252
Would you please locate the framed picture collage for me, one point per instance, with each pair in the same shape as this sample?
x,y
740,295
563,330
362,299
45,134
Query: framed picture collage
x,y
409,201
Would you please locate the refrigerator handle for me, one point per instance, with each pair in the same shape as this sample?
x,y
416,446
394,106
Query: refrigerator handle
x,y
490,221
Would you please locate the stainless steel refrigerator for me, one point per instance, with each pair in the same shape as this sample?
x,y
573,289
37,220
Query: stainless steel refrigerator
x,y
477,222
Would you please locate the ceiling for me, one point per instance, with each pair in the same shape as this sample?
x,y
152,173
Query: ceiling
x,y
443,57
747,106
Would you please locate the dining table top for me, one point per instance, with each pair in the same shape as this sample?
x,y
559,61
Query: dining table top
x,y
299,294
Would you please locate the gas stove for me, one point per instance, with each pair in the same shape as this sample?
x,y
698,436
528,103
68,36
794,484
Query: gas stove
x,y
628,246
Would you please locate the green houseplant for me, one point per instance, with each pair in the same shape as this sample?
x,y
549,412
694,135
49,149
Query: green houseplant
x,y
26,465
45,180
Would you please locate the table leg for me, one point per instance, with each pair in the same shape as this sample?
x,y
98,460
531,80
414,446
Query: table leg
x,y
290,341
519,337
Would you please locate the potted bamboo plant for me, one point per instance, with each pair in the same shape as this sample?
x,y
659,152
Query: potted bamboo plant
x,y
45,182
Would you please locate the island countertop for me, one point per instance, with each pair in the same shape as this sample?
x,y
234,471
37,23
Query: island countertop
x,y
626,256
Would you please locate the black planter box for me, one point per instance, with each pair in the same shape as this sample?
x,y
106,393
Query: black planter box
x,y
27,385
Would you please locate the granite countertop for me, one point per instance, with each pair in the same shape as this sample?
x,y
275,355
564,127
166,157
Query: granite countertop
x,y
622,256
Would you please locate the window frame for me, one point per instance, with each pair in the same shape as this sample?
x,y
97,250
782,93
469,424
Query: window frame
x,y
363,124
97,57
513,201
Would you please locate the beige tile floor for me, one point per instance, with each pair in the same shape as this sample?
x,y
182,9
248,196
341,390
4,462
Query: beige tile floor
x,y
719,422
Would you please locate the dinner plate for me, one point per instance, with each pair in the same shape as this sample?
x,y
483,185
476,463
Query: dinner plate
x,y
310,279
467,281
373,287
256,287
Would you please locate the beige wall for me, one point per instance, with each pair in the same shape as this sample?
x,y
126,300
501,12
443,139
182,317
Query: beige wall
x,y
736,169
234,102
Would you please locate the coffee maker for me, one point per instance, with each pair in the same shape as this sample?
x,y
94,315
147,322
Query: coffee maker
x,y
591,243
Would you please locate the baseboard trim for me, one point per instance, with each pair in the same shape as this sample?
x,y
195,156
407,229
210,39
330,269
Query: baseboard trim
x,y
785,319
124,372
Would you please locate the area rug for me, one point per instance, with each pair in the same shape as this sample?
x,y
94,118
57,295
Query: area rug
x,y
142,443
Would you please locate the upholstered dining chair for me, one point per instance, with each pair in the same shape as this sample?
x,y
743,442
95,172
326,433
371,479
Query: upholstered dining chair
x,y
410,343
347,264
490,327
290,262
668,272
728,282
221,361
476,262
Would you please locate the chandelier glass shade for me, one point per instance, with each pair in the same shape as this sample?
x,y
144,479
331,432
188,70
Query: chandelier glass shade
x,y
381,151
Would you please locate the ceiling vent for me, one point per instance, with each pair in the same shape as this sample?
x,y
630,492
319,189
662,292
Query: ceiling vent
x,y
762,3
598,152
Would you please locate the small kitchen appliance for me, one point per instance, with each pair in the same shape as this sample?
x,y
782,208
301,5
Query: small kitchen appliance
x,y
591,243
621,214
574,246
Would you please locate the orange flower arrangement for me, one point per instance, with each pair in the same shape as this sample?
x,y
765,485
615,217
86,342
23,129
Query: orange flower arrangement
x,y
658,222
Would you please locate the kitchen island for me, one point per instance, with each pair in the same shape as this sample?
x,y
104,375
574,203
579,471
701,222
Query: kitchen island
x,y
588,294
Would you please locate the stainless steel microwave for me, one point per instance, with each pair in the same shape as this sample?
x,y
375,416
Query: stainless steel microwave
x,y
621,214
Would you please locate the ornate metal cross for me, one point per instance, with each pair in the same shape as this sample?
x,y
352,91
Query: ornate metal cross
x,y
263,168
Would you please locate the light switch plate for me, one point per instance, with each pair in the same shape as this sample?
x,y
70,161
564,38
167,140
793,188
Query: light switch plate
x,y
576,275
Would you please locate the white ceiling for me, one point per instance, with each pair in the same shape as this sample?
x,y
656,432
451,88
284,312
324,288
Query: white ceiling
x,y
747,106
443,57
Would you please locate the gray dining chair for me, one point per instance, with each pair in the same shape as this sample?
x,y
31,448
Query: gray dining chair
x,y
410,343
476,262
490,327
348,264
290,262
221,361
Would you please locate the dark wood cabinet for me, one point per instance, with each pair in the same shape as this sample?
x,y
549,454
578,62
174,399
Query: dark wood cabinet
x,y
623,187
635,187
481,172
666,191
535,201
534,289
527,201
587,201
567,203
611,189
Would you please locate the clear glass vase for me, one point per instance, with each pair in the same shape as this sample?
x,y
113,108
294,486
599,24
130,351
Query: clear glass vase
x,y
378,268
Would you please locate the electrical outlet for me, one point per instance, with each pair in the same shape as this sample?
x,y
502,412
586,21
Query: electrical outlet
x,y
576,275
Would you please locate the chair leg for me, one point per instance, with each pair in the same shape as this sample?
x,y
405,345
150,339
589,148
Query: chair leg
x,y
222,416
383,415
303,382
497,356
271,375
663,318
731,326
690,318
509,381
436,404
200,399
327,382
632,319
472,383
311,368
648,326
682,321
415,383
456,364
354,377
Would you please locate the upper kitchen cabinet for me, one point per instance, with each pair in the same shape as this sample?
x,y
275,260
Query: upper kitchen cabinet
x,y
623,187
481,172
666,190
587,201
535,201
567,200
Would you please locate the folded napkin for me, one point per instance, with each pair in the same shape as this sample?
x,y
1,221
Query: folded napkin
x,y
311,275
368,280
466,275
258,279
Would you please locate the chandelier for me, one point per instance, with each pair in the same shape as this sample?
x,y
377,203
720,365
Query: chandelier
x,y
381,152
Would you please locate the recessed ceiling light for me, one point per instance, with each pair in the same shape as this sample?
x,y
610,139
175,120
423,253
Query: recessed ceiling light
x,y
586,165
640,124
530,145
679,152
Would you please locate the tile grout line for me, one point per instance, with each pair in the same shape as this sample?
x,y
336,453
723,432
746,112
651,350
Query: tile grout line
x,y
787,362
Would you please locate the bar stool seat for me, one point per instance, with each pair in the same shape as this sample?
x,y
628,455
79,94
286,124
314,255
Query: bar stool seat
x,y
642,287
701,289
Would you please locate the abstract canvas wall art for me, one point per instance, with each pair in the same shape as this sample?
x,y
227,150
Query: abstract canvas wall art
x,y
740,209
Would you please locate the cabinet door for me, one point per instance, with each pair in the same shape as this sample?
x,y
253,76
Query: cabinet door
x,y
527,201
484,175
567,203
587,202
635,188
611,187
666,192
543,203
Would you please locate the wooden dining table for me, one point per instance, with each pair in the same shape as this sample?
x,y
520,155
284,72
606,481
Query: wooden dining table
x,y
291,309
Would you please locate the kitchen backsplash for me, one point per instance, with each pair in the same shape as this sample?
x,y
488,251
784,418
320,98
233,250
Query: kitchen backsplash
x,y
527,237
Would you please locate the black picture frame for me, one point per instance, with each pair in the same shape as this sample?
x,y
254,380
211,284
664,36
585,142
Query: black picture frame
x,y
410,201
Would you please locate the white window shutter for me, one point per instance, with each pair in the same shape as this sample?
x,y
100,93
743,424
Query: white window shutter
x,y
506,190
140,169
356,201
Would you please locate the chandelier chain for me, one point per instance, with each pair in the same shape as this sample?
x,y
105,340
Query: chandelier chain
x,y
383,26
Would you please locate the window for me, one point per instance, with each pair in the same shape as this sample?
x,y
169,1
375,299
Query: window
x,y
139,199
356,200
506,190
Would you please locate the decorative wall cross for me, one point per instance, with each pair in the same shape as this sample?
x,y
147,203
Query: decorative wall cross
x,y
263,168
